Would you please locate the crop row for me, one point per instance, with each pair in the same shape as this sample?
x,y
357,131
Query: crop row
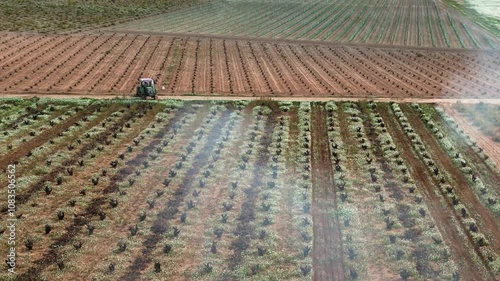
x,y
401,202
54,170
347,213
485,192
35,124
453,191
78,203
331,21
225,66
249,190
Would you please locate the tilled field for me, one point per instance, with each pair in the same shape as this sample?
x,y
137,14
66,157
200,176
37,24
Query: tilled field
x,y
112,63
261,190
424,23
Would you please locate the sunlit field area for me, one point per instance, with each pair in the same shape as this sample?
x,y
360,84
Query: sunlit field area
x,y
249,140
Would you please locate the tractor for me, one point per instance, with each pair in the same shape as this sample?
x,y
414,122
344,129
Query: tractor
x,y
146,88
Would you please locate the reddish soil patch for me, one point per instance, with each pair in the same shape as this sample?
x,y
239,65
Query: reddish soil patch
x,y
327,245
102,63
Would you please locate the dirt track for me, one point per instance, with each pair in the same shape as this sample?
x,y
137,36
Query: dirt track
x,y
234,98
327,248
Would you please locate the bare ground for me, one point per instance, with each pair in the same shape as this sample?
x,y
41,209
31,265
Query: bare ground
x,y
327,244
110,64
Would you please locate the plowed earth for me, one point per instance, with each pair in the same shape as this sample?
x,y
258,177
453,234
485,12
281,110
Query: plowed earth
x,y
96,64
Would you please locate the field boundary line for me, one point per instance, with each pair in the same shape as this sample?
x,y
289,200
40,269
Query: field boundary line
x,y
243,98
294,41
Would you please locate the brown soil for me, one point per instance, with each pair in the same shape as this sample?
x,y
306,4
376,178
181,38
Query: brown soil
x,y
187,69
448,221
245,227
138,194
328,253
97,64
294,41
80,152
48,258
40,158
327,245
164,216
375,234
47,206
211,207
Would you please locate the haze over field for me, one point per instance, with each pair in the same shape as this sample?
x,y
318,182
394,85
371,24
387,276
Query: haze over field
x,y
294,140
487,7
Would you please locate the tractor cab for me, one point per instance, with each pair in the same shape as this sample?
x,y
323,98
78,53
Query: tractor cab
x,y
146,88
